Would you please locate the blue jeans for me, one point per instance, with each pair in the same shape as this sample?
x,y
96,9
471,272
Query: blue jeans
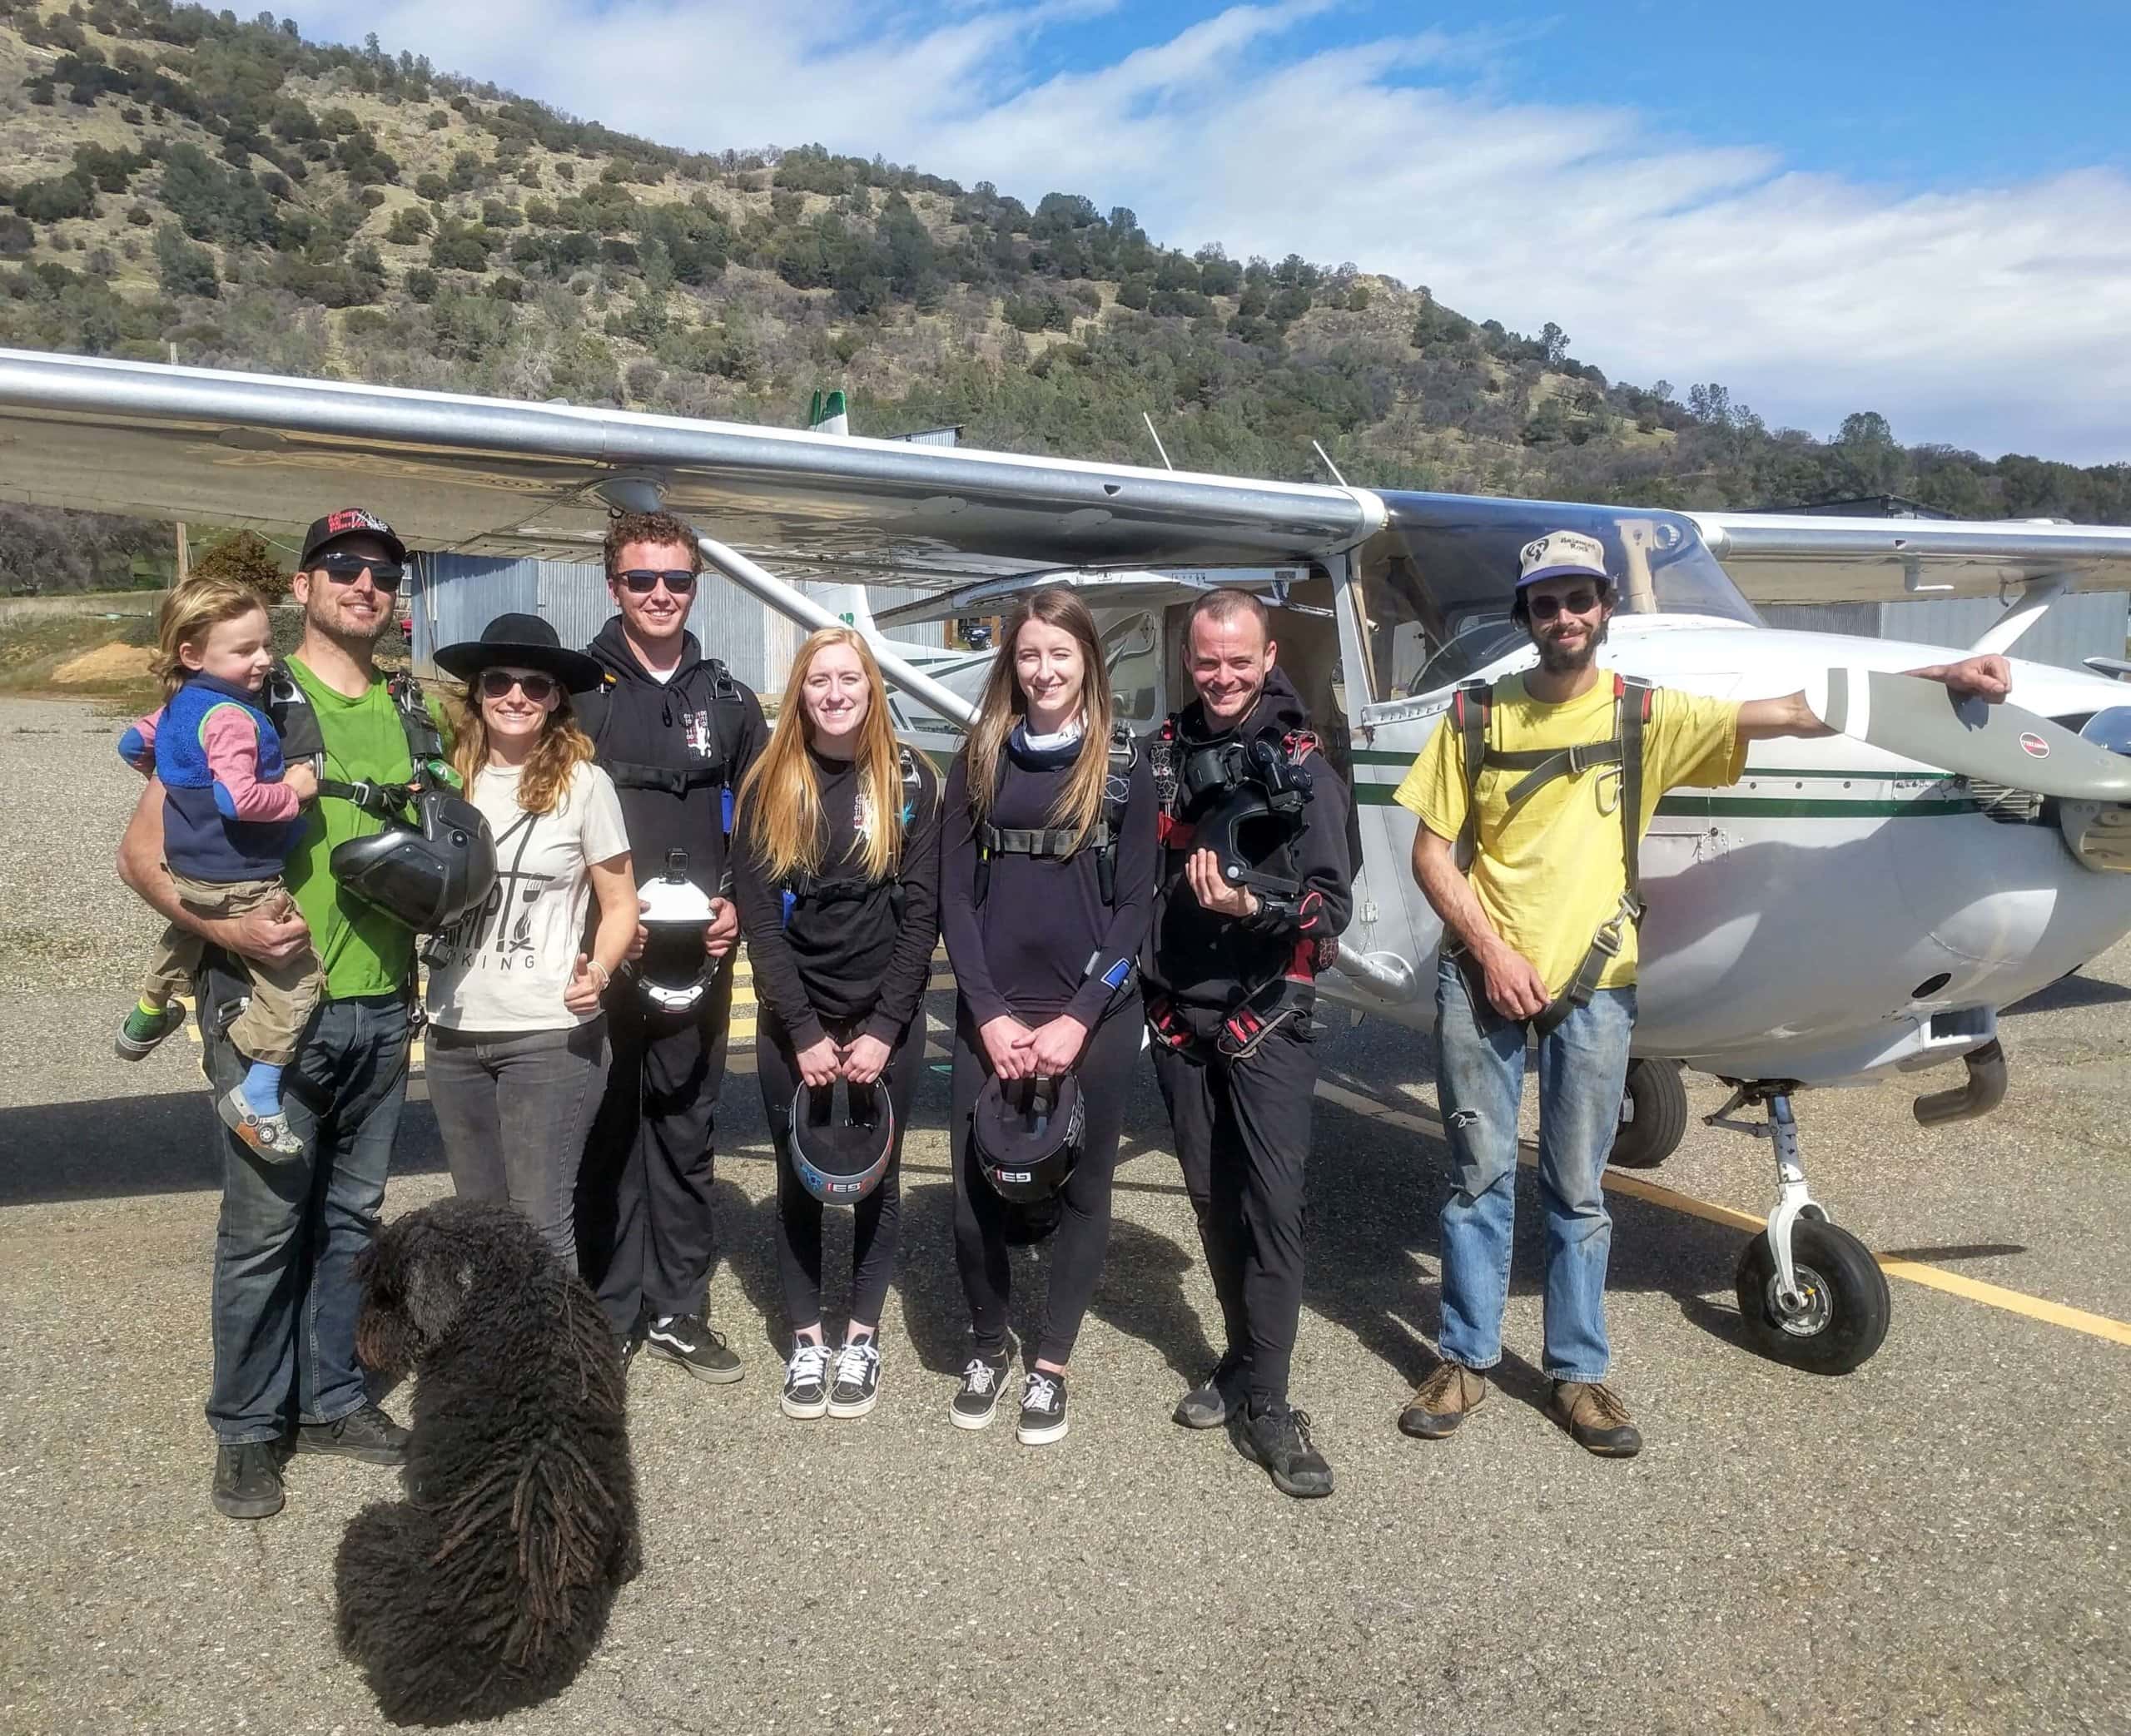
x,y
286,1295
1583,1065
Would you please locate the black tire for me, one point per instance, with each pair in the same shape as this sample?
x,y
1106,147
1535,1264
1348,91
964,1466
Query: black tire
x,y
1653,1115
1849,1303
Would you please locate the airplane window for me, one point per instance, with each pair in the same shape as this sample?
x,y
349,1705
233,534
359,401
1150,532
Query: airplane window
x,y
1435,585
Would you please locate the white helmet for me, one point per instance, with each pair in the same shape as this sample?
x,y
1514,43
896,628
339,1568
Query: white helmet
x,y
674,970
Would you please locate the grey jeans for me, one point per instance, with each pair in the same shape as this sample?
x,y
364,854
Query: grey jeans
x,y
512,1106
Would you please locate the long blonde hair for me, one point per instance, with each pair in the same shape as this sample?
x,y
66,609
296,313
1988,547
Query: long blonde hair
x,y
780,795
1079,806
187,614
562,748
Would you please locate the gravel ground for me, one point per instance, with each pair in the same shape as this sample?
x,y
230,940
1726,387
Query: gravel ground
x,y
1934,1542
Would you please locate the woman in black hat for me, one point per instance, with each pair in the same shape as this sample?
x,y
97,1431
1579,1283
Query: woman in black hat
x,y
518,1043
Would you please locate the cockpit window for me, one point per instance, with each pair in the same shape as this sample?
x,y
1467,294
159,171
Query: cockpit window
x,y
1435,581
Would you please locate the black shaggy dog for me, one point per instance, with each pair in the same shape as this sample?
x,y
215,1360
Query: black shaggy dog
x,y
486,1589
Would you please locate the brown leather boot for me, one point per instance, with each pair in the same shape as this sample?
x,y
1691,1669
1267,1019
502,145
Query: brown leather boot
x,y
1595,1418
1443,1400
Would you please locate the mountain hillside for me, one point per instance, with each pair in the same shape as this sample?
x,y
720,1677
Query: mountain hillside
x,y
177,180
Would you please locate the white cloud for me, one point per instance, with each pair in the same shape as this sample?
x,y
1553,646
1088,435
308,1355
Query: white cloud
x,y
1990,317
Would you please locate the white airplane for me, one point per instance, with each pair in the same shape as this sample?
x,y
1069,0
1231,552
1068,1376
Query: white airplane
x,y
1854,907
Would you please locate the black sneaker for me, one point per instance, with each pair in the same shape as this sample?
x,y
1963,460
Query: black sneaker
x,y
367,1434
1043,1409
247,1480
627,1348
684,1339
806,1380
857,1378
979,1397
1220,1397
1278,1438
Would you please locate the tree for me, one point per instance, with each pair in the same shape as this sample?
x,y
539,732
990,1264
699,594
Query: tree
x,y
1554,344
244,557
182,269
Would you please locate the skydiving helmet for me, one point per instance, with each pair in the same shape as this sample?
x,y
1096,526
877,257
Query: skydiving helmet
x,y
427,870
842,1136
1028,1134
1247,817
674,969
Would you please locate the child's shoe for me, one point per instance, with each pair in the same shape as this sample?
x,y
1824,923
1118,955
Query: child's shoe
x,y
269,1135
142,1030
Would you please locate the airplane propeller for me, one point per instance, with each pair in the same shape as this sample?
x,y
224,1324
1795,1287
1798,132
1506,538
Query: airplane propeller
x,y
1998,744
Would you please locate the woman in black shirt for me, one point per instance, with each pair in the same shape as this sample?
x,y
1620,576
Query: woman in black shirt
x,y
837,870
1043,948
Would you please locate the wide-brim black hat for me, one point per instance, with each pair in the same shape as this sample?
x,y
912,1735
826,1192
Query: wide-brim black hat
x,y
521,642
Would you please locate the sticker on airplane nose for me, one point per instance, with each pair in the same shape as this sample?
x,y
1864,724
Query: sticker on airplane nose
x,y
2033,745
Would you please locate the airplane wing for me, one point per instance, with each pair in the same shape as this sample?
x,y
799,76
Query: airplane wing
x,y
1127,589
491,476
1798,557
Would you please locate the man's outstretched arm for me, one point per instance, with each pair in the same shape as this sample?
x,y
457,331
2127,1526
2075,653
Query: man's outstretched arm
x,y
1988,678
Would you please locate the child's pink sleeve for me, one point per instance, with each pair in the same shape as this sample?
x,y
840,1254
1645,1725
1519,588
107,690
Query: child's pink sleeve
x,y
229,735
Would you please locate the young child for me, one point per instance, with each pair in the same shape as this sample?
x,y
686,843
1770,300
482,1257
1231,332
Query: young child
x,y
229,816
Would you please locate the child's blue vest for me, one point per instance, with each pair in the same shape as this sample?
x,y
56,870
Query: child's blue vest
x,y
201,840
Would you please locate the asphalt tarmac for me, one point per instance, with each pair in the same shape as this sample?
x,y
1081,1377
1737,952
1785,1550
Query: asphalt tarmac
x,y
1937,1542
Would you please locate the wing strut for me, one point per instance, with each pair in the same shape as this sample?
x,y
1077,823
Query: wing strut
x,y
787,600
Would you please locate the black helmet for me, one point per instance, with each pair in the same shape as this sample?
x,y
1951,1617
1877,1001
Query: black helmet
x,y
1028,1134
842,1136
428,872
674,969
1244,827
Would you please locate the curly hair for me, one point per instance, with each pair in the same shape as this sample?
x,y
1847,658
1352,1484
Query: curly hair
x,y
659,528
562,748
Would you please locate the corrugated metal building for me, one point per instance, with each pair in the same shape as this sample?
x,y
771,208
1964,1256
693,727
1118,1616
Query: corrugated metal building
x,y
457,595
2073,628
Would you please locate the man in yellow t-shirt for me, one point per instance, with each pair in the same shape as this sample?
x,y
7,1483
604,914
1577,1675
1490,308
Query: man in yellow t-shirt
x,y
1548,870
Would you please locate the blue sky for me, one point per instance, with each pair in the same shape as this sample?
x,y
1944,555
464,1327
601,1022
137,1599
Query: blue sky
x,y
1922,211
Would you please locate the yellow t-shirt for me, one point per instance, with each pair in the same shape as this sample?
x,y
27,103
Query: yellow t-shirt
x,y
1550,873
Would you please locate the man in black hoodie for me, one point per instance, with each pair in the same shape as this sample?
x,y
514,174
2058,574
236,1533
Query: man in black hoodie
x,y
676,732
1229,982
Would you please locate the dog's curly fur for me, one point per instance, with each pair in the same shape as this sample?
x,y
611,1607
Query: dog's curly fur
x,y
486,1589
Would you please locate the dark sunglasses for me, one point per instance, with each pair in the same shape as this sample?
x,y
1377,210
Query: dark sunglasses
x,y
643,581
497,683
345,569
1577,602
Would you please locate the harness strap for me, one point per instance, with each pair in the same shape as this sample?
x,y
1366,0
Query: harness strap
x,y
673,780
1632,703
1052,843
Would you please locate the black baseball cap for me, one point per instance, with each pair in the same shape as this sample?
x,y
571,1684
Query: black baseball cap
x,y
350,521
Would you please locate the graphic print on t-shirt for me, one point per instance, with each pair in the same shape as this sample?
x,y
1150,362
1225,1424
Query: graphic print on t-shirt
x,y
500,935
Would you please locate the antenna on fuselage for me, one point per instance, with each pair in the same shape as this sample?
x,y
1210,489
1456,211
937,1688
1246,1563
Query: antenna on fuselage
x,y
1329,464
1159,447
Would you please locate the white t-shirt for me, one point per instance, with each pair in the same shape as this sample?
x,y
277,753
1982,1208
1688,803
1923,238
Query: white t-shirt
x,y
505,966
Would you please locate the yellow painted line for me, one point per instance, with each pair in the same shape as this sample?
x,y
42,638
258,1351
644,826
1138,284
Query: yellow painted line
x,y
1655,1193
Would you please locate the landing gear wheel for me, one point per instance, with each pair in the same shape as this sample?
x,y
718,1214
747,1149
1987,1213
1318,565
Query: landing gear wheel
x,y
1847,1304
1653,1115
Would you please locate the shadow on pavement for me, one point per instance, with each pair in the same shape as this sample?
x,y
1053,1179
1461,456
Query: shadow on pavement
x,y
117,1148
2071,991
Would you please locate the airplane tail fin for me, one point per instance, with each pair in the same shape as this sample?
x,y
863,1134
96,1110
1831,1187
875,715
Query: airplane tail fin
x,y
848,601
827,414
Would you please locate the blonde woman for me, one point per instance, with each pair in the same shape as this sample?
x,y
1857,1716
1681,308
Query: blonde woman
x,y
1046,889
836,871
230,817
518,1040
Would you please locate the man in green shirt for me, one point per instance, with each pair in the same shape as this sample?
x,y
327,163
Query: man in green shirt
x,y
284,1294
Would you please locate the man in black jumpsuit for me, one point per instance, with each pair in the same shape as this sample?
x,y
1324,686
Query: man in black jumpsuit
x,y
676,732
1228,989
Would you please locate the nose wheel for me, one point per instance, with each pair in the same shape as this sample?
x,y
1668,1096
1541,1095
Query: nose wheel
x,y
1809,1294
